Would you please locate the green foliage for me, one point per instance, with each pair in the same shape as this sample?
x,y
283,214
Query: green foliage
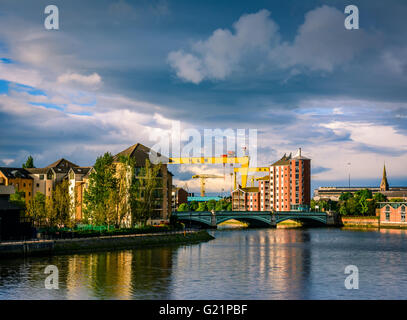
x,y
36,209
101,193
397,200
18,198
362,203
29,163
58,206
202,207
147,193
324,205
193,206
379,197
364,194
211,204
183,207
345,196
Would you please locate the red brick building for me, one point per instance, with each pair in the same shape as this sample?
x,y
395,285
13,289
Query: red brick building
x,y
392,213
290,183
288,187
246,199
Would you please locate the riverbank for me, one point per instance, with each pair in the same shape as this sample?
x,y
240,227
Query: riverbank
x,y
104,243
369,223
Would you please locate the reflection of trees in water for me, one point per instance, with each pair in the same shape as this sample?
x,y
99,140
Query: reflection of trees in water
x,y
151,273
119,274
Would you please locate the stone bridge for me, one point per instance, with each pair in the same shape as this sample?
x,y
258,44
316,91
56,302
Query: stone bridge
x,y
254,218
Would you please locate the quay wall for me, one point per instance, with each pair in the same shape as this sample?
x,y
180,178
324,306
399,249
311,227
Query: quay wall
x,y
105,243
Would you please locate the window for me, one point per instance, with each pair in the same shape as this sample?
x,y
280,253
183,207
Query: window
x,y
38,185
387,213
41,177
403,214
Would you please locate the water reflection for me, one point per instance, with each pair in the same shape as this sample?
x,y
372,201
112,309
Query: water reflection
x,y
239,264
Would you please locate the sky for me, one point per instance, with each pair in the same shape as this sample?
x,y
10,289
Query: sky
x,y
118,70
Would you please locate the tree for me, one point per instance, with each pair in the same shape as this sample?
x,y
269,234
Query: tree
x,y
211,204
379,197
194,205
345,196
58,206
183,207
29,163
36,208
364,193
202,206
18,198
100,197
146,193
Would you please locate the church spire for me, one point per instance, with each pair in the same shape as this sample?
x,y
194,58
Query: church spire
x,y
384,185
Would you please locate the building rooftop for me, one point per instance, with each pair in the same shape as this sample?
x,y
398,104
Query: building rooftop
x,y
81,170
138,152
62,163
13,173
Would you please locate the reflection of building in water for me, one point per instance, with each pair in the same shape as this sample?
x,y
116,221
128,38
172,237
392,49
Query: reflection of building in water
x,y
290,262
107,274
264,262
151,273
120,274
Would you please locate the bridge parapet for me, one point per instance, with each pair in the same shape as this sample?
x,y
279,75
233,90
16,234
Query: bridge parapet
x,y
254,218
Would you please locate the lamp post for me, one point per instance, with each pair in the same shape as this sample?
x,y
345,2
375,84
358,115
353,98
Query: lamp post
x,y
349,164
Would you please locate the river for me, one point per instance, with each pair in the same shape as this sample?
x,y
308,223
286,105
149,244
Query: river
x,y
239,264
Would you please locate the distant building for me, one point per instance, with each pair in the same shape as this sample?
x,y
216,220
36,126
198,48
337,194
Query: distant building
x,y
290,182
265,193
392,213
19,178
333,193
179,196
78,182
246,199
288,187
140,153
46,179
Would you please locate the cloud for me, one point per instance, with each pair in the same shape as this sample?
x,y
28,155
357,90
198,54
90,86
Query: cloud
x,y
187,66
7,162
90,80
321,44
220,55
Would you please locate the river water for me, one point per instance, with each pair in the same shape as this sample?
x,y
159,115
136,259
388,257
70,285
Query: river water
x,y
238,264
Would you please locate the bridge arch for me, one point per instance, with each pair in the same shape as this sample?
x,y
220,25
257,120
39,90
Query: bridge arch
x,y
252,221
305,219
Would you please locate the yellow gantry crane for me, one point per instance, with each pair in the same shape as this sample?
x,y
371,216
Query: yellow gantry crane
x,y
203,178
224,159
245,171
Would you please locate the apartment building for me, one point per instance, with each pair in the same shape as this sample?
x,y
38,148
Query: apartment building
x,y
140,154
246,199
19,178
288,187
78,178
290,183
